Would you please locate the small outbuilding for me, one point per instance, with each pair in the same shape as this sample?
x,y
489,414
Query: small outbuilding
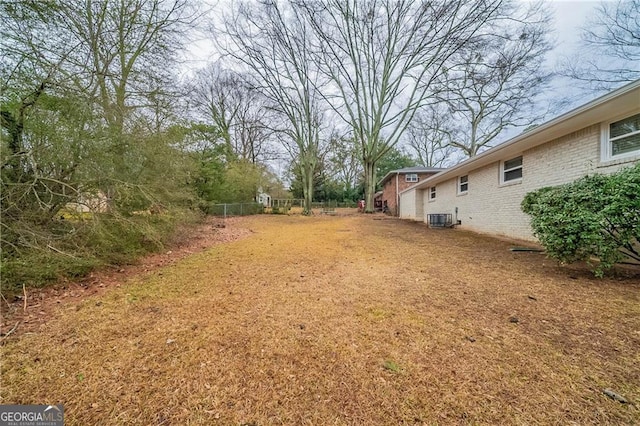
x,y
263,198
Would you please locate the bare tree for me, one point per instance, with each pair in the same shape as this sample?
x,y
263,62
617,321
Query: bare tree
x,y
114,53
344,164
611,39
383,56
253,135
241,113
429,136
128,49
215,96
274,44
491,84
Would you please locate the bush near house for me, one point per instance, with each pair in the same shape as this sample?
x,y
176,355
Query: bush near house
x,y
595,216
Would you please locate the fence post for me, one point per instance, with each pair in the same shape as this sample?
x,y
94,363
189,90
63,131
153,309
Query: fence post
x,y
225,210
241,209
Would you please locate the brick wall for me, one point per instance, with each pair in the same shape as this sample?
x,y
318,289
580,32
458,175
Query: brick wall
x,y
389,193
494,208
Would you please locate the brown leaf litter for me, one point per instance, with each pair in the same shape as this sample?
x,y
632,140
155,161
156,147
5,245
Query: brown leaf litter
x,y
342,320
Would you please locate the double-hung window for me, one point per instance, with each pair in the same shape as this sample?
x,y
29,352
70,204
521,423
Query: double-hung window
x,y
511,170
463,184
432,193
622,138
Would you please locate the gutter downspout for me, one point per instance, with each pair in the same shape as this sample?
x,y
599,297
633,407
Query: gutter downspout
x,y
397,196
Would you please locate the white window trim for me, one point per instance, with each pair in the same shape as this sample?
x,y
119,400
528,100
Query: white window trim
x,y
406,177
502,171
606,148
460,192
435,194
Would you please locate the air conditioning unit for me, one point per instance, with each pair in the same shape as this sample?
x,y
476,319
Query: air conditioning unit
x,y
440,220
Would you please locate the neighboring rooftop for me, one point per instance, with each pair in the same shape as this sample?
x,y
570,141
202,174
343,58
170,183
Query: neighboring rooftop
x,y
408,170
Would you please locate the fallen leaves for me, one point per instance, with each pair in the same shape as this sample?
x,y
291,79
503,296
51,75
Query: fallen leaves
x,y
300,322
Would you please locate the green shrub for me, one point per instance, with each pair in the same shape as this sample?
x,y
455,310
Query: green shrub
x,y
595,216
37,268
281,209
118,241
73,248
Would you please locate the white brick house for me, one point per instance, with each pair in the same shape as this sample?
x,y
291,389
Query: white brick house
x,y
484,193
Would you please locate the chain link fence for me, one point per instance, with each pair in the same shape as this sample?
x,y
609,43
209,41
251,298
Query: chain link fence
x,y
299,202
235,209
278,206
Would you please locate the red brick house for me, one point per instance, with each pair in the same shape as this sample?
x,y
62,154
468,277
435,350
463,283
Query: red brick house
x,y
397,181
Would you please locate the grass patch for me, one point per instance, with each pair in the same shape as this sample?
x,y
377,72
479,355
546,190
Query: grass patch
x,y
391,366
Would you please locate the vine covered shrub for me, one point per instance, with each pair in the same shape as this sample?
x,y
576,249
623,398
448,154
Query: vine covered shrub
x,y
595,216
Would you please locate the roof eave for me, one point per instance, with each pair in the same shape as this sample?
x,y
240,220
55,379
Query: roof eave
x,y
626,99
435,170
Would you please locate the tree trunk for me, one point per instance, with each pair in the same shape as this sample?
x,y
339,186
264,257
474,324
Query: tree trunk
x,y
369,185
473,147
13,162
307,189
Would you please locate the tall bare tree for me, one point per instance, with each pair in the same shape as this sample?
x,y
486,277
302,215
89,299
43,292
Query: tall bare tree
x,y
273,42
611,41
241,113
214,94
491,84
344,164
429,136
127,51
383,57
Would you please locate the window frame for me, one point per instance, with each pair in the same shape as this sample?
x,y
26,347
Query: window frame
x,y
503,171
460,184
607,143
412,175
432,193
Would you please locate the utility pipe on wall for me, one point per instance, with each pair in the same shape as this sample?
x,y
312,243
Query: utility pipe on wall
x,y
397,196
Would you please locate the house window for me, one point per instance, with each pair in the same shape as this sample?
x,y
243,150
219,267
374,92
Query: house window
x,y
463,184
512,170
623,136
432,193
411,177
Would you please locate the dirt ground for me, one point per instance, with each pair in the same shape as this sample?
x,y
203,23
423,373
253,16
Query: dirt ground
x,y
345,319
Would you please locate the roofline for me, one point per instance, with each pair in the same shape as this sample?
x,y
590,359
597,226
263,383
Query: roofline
x,y
400,171
541,134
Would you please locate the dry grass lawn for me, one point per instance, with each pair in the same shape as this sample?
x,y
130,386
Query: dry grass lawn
x,y
341,320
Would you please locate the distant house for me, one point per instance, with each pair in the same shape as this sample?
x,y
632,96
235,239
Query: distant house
x,y
96,202
484,193
396,181
263,198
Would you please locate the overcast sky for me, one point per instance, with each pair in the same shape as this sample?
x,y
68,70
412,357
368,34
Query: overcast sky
x,y
569,16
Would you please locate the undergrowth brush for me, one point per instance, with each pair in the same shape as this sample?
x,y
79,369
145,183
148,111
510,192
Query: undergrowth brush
x,y
76,246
